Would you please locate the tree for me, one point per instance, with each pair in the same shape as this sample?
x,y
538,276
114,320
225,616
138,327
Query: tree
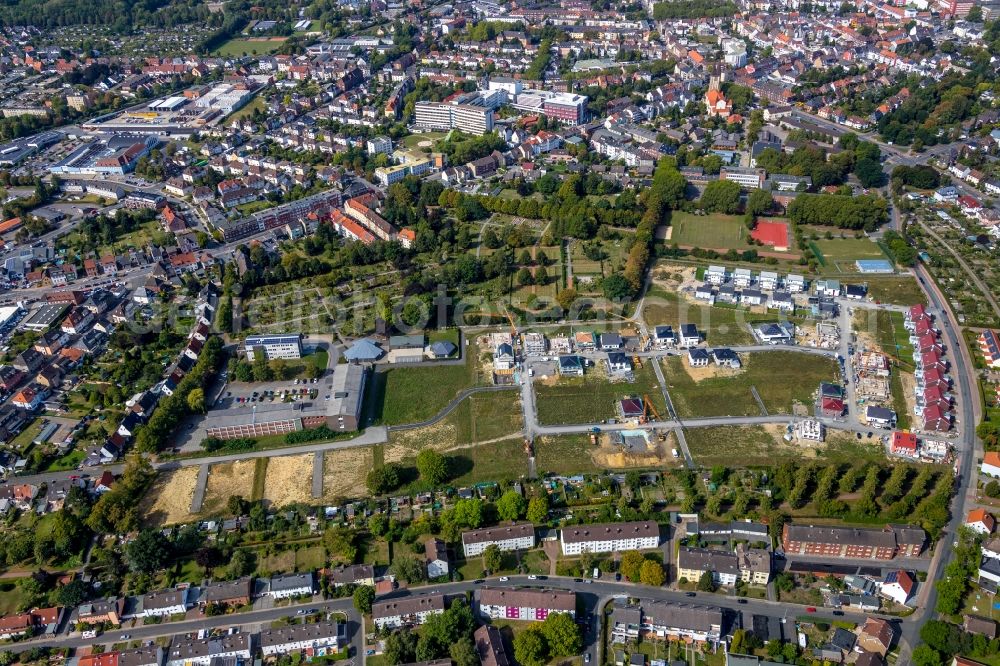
x,y
492,558
529,647
364,595
651,573
208,557
401,647
541,276
463,652
538,509
869,172
925,655
383,479
237,505
432,466
408,568
759,202
468,513
73,593
616,287
524,276
241,563
148,552
196,400
631,565
706,583
566,298
511,506
341,542
562,635
721,196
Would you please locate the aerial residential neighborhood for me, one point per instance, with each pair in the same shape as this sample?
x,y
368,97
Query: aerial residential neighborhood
x,y
557,333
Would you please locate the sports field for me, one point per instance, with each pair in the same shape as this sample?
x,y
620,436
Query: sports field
x,y
772,232
840,253
237,47
715,231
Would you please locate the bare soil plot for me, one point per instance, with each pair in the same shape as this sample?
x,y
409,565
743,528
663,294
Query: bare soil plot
x,y
344,472
288,480
657,454
169,500
226,479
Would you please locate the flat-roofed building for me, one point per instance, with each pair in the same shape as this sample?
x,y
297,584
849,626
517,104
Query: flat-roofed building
x,y
274,346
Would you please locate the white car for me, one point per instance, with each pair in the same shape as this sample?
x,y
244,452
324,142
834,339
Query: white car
x,y
504,579
532,577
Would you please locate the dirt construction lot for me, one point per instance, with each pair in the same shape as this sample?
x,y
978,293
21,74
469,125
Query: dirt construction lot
x,y
288,480
224,480
169,500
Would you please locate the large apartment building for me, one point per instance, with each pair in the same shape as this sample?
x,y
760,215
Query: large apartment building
x,y
854,542
443,116
664,619
518,536
395,613
525,604
609,537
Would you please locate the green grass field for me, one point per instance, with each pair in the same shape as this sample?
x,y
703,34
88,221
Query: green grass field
x,y
719,325
848,250
499,461
904,290
414,140
708,231
781,379
408,395
565,454
237,47
592,398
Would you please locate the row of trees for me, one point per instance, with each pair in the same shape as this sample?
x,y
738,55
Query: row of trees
x,y
866,212
153,436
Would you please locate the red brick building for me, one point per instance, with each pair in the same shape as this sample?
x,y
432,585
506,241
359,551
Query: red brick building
x,y
853,542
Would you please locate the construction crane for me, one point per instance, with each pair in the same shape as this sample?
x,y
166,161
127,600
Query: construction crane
x,y
513,325
648,408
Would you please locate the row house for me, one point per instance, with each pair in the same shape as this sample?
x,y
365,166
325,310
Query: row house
x,y
659,620
312,639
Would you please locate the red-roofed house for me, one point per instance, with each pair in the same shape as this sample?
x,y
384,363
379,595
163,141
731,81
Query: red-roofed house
x,y
980,520
936,419
831,407
898,586
904,444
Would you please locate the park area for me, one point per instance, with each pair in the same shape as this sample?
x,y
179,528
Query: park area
x,y
593,397
772,382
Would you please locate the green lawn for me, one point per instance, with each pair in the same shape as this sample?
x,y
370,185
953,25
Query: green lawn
x,y
67,462
499,461
414,140
408,395
26,436
848,250
714,231
256,103
592,398
12,596
781,378
237,47
719,325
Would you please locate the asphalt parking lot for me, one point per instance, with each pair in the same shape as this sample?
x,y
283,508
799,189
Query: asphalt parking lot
x,y
240,394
